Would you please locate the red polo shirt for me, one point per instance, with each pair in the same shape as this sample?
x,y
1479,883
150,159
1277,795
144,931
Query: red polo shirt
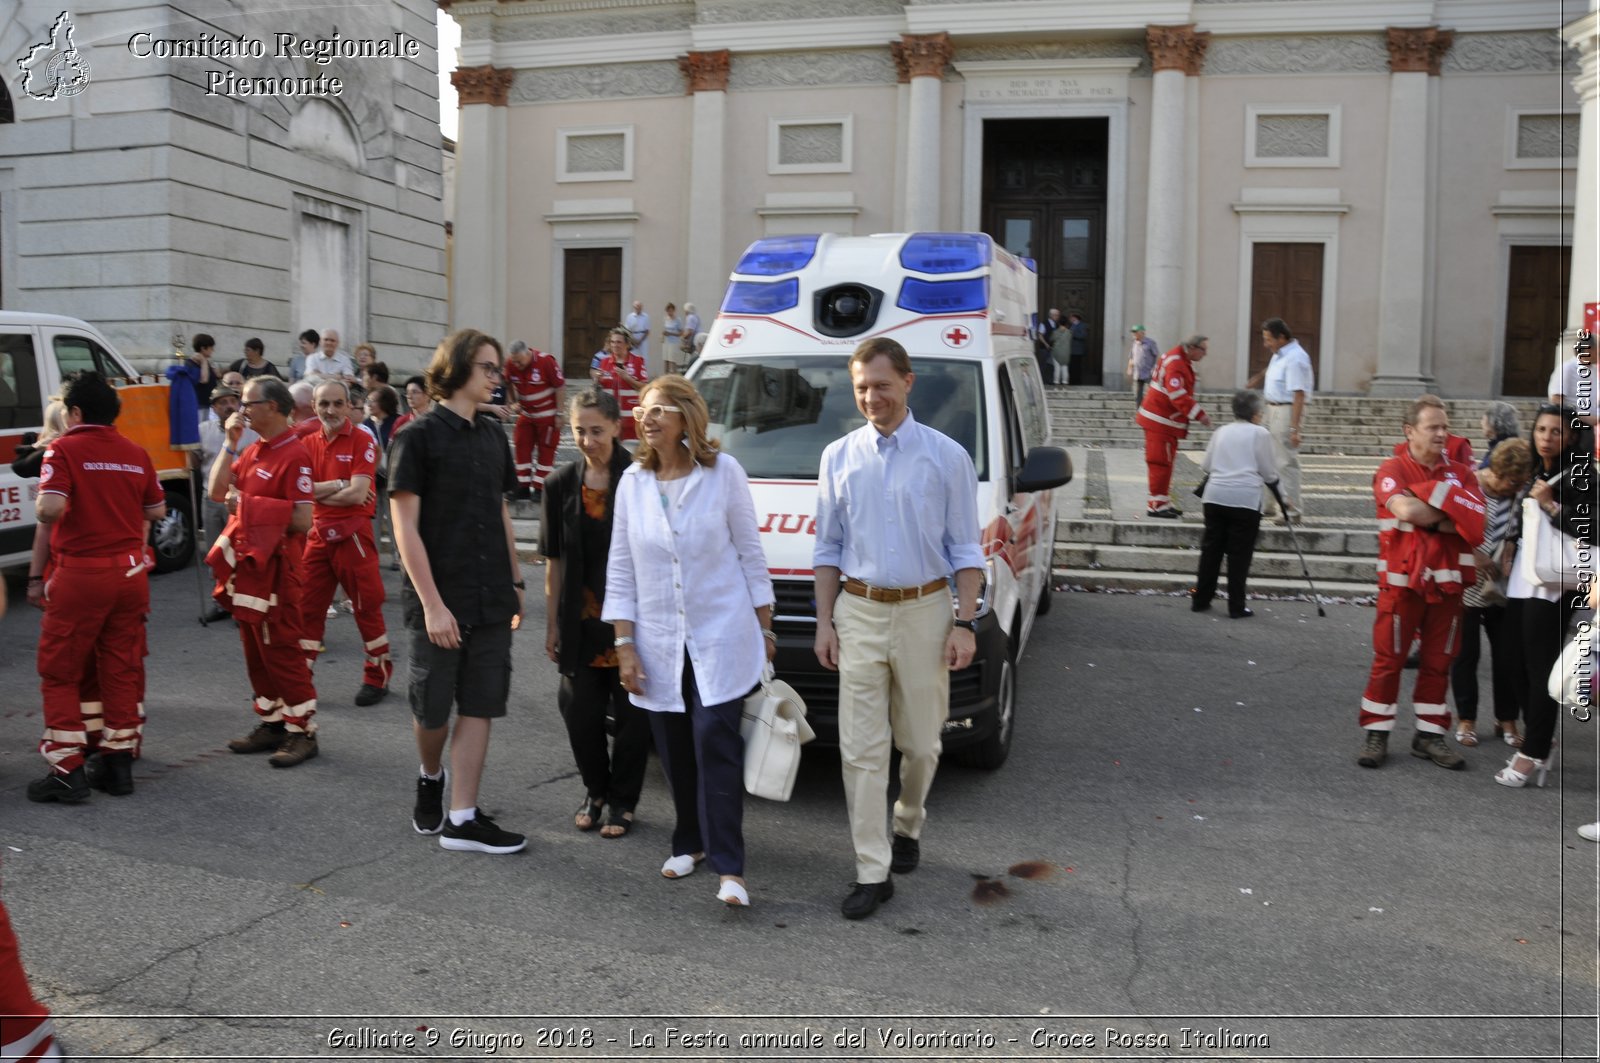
x,y
350,453
279,468
108,480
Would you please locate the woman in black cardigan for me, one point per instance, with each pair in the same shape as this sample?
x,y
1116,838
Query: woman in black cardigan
x,y
1563,488
575,539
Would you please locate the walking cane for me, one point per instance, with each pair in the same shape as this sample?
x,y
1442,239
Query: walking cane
x,y
1295,542
194,518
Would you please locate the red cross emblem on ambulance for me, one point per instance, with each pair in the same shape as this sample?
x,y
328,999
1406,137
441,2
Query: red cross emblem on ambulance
x,y
732,336
956,336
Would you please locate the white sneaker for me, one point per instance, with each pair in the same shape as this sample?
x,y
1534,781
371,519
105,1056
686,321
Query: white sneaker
x,y
1590,831
333,611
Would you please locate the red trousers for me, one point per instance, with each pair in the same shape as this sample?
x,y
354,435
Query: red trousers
x,y
1402,615
280,675
26,1033
352,564
1160,450
93,620
540,434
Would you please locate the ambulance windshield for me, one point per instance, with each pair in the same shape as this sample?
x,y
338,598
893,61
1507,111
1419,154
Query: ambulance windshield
x,y
777,413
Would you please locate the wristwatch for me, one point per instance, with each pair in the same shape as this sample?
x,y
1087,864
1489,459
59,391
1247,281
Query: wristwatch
x,y
970,625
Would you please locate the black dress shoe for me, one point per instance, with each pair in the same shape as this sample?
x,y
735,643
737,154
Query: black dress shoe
x,y
217,615
1241,614
1197,606
865,897
907,854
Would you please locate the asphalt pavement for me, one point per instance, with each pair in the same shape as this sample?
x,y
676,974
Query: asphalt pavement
x,y
1181,841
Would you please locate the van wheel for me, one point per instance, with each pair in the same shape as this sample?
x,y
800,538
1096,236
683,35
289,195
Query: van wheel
x,y
172,537
991,753
1045,593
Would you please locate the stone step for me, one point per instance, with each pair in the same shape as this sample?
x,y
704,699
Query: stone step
x,y
1181,562
1354,540
1109,579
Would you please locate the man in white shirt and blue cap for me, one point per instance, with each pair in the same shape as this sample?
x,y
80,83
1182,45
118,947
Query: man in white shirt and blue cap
x,y
897,517
1286,383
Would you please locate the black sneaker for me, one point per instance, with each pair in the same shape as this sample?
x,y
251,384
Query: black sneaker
x,y
1165,513
370,694
1374,749
480,835
70,789
427,816
907,854
865,897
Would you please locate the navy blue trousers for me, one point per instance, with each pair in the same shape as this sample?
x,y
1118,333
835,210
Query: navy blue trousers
x,y
702,752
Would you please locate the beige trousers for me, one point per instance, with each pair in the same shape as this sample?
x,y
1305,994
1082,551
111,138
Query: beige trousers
x,y
893,686
1279,420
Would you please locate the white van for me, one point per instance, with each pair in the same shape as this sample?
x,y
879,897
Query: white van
x,y
38,351
774,374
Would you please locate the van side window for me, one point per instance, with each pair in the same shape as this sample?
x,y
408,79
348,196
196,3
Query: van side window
x,y
1030,403
21,405
75,353
1016,449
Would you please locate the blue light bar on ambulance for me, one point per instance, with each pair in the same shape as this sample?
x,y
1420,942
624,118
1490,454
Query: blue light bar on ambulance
x,y
761,297
967,296
777,255
945,252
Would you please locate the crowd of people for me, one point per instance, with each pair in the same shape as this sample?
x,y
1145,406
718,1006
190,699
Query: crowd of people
x,y
658,600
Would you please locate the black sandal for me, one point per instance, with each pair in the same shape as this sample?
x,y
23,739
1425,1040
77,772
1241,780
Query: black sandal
x,y
620,821
591,807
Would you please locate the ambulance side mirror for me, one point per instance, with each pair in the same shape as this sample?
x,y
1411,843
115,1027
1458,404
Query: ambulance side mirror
x,y
1045,467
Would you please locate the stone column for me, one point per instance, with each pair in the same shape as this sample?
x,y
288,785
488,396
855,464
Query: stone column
x,y
1583,282
707,264
478,247
925,56
1403,287
902,120
1176,54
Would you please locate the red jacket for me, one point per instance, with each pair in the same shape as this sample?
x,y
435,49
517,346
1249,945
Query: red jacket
x,y
1169,402
537,385
248,556
1433,564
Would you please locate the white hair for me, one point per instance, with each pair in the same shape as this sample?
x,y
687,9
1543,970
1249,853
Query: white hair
x,y
304,394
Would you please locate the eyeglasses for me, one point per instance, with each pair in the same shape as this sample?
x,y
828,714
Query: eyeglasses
x,y
654,412
490,370
255,402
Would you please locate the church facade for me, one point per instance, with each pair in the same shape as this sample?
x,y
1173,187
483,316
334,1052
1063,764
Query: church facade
x,y
235,169
1410,183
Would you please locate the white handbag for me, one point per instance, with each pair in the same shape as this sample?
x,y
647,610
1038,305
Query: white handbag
x,y
1572,680
774,728
1548,557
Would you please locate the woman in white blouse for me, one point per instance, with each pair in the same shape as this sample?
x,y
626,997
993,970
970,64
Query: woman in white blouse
x,y
688,593
1239,463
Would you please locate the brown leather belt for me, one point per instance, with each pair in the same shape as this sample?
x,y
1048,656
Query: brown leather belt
x,y
891,594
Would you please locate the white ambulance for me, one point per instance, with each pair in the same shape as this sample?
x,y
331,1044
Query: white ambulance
x,y
774,374
37,352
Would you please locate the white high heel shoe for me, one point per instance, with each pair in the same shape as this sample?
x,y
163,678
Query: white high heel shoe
x,y
1536,773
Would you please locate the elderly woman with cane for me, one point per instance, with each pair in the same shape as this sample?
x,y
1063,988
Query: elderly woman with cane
x,y
688,593
1239,463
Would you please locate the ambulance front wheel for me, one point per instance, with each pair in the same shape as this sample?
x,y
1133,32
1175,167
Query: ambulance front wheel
x,y
172,537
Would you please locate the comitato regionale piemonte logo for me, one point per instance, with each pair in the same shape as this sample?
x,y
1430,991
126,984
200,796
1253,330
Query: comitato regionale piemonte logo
x,y
54,69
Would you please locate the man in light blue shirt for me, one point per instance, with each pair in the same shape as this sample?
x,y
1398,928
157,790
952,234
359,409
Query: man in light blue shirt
x,y
897,516
1286,383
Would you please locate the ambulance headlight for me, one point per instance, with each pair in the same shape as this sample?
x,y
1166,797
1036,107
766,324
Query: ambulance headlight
x,y
846,309
758,297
